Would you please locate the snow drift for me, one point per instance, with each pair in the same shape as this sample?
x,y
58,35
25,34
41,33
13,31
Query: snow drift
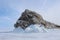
x,y
32,28
33,32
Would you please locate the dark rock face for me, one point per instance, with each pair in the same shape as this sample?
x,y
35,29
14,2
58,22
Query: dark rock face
x,y
30,17
27,18
22,24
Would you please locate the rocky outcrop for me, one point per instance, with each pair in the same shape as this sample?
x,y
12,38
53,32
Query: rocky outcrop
x,y
29,17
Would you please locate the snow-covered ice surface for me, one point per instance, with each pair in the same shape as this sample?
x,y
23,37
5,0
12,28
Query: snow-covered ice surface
x,y
31,33
31,29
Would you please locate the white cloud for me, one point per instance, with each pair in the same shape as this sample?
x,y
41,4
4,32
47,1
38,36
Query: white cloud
x,y
53,14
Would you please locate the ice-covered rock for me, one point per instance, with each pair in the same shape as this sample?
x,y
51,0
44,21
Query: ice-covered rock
x,y
32,28
18,30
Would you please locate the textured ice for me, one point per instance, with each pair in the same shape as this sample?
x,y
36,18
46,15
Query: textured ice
x,y
32,28
33,32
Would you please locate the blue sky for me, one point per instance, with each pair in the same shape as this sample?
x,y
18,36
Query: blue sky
x,y
10,11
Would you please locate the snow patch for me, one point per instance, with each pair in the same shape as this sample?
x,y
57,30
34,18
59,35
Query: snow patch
x,y
32,28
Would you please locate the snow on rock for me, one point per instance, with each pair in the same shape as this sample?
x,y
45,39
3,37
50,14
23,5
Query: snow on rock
x,y
33,32
32,28
18,30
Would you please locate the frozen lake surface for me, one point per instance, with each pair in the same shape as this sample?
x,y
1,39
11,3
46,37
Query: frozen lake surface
x,y
31,34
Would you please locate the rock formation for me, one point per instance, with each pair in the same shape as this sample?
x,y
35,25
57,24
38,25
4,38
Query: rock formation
x,y
29,17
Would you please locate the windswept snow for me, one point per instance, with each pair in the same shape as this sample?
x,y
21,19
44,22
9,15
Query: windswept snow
x,y
31,29
33,32
30,36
